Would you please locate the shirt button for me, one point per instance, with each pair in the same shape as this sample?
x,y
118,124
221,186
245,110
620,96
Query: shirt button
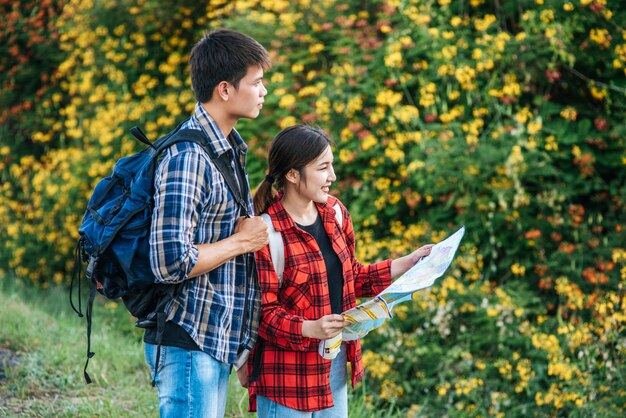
x,y
238,318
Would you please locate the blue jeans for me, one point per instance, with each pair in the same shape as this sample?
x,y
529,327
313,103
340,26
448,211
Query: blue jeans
x,y
190,383
266,408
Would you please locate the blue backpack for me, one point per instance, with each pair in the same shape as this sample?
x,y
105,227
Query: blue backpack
x,y
115,232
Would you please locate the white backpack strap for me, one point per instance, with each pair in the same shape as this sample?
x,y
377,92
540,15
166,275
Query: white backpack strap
x,y
338,214
277,248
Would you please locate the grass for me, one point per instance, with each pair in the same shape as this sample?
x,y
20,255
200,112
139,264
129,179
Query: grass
x,y
47,342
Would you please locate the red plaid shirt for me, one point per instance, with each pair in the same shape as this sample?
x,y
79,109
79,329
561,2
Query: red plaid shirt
x,y
290,370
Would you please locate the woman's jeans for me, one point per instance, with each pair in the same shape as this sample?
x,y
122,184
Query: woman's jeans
x,y
267,408
190,383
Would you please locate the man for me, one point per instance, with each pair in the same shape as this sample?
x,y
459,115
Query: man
x,y
201,237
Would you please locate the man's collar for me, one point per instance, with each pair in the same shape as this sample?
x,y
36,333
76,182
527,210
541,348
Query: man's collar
x,y
217,139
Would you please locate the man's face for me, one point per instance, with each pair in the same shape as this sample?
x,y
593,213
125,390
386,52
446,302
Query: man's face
x,y
247,100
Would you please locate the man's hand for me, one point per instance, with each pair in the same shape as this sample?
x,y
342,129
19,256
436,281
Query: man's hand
x,y
242,375
252,232
326,327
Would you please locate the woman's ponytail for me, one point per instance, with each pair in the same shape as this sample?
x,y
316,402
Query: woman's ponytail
x,y
264,195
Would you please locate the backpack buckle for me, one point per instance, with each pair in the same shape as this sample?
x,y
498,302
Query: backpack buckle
x,y
91,267
148,322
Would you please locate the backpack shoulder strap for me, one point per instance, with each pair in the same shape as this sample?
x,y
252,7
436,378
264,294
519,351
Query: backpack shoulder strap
x,y
338,214
222,164
277,248
183,135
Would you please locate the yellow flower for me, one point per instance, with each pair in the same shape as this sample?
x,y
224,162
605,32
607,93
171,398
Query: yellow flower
x,y
316,48
382,183
483,24
443,389
601,37
119,31
288,121
390,390
523,115
598,93
346,156
388,97
449,52
551,144
287,101
368,142
447,35
534,126
406,114
355,104
322,106
393,60
546,15
569,113
465,75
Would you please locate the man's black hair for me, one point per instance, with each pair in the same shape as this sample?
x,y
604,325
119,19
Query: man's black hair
x,y
223,55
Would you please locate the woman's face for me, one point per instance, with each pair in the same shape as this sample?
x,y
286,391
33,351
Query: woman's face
x,y
317,177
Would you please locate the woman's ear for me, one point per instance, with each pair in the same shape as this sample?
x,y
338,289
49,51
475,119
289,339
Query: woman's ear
x,y
292,176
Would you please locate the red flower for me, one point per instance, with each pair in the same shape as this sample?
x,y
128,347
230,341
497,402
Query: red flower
x,y
593,276
431,117
545,283
596,7
532,234
391,83
553,75
600,123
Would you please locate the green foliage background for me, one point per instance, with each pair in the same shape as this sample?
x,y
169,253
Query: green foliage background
x,y
506,117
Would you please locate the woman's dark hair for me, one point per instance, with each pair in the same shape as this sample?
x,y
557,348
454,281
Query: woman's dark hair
x,y
293,148
223,55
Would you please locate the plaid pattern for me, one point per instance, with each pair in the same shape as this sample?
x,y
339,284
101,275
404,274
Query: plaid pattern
x,y
292,372
192,205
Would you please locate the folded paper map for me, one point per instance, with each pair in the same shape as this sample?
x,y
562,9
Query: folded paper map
x,y
371,314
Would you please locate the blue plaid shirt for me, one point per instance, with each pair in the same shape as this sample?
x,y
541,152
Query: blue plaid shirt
x,y
193,205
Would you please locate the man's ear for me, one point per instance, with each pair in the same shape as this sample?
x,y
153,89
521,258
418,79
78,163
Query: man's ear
x,y
223,90
292,176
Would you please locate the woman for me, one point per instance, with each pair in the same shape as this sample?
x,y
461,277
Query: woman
x,y
288,378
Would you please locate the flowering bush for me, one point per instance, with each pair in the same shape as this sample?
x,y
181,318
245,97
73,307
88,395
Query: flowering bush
x,y
507,117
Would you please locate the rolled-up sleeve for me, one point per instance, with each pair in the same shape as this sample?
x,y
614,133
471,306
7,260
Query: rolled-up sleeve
x,y
180,182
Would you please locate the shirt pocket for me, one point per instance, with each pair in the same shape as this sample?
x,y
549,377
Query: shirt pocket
x,y
296,290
